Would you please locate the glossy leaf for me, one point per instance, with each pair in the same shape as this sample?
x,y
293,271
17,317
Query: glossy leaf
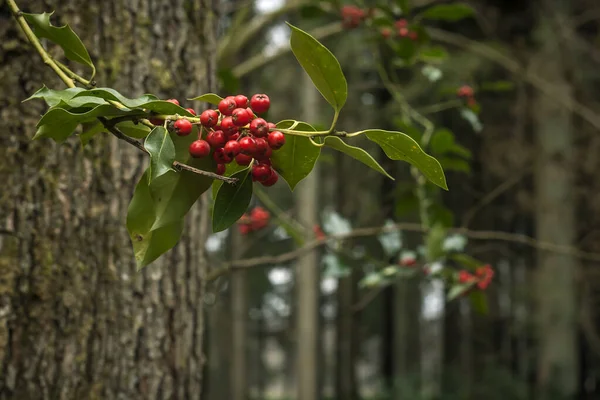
x,y
297,157
63,36
321,66
232,201
355,152
399,146
137,131
90,131
53,97
161,148
448,12
458,290
230,169
208,98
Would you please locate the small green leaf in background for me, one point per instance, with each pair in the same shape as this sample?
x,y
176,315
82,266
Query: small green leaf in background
x,y
162,152
53,97
478,301
448,12
232,201
457,290
208,98
137,131
63,36
355,152
434,242
398,146
433,54
321,66
297,157
466,261
90,131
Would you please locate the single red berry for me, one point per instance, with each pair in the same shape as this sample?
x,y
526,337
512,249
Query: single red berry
x,y
271,125
320,235
401,23
174,101
216,139
266,161
386,33
276,140
261,172
199,148
220,169
247,145
191,111
413,35
221,157
265,158
242,159
259,127
235,136
260,103
272,179
244,229
465,91
209,118
403,32
240,117
485,275
183,127
228,126
250,113
232,148
227,105
261,148
241,101
466,277
157,121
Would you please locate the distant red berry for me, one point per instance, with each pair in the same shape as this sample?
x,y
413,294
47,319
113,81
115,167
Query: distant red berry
x,y
174,101
242,159
228,126
182,127
241,101
240,117
261,172
216,139
466,277
209,118
403,32
232,148
250,113
244,229
259,127
191,111
220,169
260,103
248,145
319,232
485,275
272,179
352,16
227,105
221,157
276,140
465,91
199,148
412,35
401,23
386,33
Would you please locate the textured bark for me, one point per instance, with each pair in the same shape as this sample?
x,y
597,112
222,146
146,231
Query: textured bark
x,y
78,321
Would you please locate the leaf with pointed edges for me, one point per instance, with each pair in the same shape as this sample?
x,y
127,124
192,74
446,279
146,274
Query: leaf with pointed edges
x,y
398,146
232,201
53,97
297,157
61,35
321,66
161,148
448,12
356,153
230,169
137,131
210,98
90,131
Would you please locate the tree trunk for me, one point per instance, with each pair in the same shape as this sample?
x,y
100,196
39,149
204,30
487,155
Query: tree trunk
x,y
556,295
81,322
239,324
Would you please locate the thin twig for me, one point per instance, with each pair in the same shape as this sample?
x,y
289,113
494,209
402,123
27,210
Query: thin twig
x,y
74,76
226,179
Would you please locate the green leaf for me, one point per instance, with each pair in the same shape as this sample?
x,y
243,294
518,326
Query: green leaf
x,y
398,146
208,98
356,153
230,169
137,131
457,290
297,157
161,148
54,97
448,12
321,66
498,86
89,132
455,164
466,261
63,36
479,302
232,201
434,54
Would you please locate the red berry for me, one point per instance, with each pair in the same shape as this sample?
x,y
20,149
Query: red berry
x,y
157,121
209,118
403,32
220,169
199,148
265,157
260,103
232,148
191,111
250,113
271,125
276,140
261,148
465,91
272,179
183,127
386,33
241,101
228,126
227,105
174,101
352,16
235,136
244,229
242,159
261,172
259,127
248,145
216,139
413,35
221,157
240,117
401,23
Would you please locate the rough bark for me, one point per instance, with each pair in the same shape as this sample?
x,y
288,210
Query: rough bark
x,y
79,321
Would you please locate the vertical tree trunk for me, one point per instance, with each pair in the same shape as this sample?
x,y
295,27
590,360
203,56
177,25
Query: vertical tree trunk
x,y
81,322
554,186
239,324
307,273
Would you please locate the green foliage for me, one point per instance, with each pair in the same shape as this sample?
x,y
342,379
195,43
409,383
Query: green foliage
x,y
448,12
210,98
355,152
232,201
161,148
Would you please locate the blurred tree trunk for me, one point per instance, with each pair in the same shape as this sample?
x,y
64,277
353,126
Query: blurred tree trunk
x,y
218,346
239,324
307,272
79,321
555,222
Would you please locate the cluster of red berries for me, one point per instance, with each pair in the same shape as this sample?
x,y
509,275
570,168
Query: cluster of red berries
x,y
235,132
401,30
319,234
467,93
482,277
352,16
255,221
